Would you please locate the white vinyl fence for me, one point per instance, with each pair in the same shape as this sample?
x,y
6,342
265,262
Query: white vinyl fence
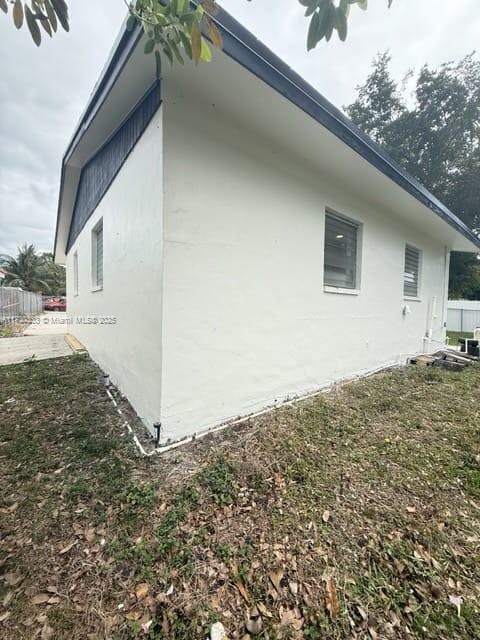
x,y
15,302
463,315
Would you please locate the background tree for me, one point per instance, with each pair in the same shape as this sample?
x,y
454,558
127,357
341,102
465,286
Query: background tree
x,y
54,275
437,140
378,104
33,272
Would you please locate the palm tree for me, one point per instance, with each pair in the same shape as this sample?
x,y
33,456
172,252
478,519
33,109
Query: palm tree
x,y
25,271
54,275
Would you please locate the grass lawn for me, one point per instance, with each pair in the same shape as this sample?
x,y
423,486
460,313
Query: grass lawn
x,y
352,515
456,335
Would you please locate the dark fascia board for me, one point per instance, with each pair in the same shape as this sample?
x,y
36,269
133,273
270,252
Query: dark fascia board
x,y
126,43
242,46
151,100
253,55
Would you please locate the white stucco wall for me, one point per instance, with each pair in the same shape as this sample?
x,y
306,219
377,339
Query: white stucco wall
x,y
130,350
246,320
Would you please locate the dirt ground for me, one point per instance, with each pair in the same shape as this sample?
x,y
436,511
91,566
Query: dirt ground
x,y
352,515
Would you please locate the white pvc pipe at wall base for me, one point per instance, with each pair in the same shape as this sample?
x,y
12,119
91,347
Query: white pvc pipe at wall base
x,y
230,423
137,442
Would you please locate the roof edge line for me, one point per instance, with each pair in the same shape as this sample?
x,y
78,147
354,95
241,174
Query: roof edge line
x,y
421,193
329,116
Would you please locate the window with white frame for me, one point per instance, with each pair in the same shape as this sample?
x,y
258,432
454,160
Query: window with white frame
x,y
97,256
75,273
340,261
411,274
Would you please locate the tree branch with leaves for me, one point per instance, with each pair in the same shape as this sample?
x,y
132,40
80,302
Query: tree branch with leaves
x,y
47,14
176,29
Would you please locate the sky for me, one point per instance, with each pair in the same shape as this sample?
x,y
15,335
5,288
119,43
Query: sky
x,y
44,91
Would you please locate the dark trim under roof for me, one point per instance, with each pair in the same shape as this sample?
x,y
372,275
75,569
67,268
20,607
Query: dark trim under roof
x,y
242,46
101,170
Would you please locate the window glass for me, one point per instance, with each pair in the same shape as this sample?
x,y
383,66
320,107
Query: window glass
x,y
411,271
97,255
340,265
75,273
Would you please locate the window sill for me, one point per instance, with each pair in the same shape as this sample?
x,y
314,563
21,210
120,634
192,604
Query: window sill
x,y
412,298
348,292
95,289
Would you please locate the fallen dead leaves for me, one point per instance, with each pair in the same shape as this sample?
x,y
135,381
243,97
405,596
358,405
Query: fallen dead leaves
x,y
68,548
397,540
12,578
331,597
41,598
141,590
276,576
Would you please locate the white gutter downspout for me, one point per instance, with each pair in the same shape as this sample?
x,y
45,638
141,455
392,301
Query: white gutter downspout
x,y
445,294
431,315
432,318
428,339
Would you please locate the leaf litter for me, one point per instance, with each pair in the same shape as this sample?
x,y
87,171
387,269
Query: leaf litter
x,y
351,515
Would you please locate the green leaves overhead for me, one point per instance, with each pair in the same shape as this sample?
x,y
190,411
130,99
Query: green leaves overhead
x,y
328,16
52,16
33,26
214,33
341,24
61,9
196,37
149,46
321,23
177,29
18,14
46,13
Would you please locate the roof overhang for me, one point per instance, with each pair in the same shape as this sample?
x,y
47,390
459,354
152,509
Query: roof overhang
x,y
270,98
124,79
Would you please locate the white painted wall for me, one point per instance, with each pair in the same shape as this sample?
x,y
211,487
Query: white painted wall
x,y
130,350
215,278
246,321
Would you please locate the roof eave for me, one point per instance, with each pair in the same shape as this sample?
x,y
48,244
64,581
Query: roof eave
x,y
122,49
243,47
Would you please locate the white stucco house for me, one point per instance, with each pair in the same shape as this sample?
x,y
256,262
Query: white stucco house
x,y
238,240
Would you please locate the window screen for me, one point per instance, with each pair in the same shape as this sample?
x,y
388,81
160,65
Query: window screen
x,y
340,268
75,273
97,250
411,273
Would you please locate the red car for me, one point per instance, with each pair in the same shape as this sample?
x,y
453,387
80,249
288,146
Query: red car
x,y
55,304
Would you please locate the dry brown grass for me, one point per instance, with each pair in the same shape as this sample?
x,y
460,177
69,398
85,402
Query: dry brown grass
x,y
352,515
12,329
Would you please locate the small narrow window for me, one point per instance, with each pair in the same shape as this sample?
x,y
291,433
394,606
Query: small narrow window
x,y
411,272
340,263
97,256
75,273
